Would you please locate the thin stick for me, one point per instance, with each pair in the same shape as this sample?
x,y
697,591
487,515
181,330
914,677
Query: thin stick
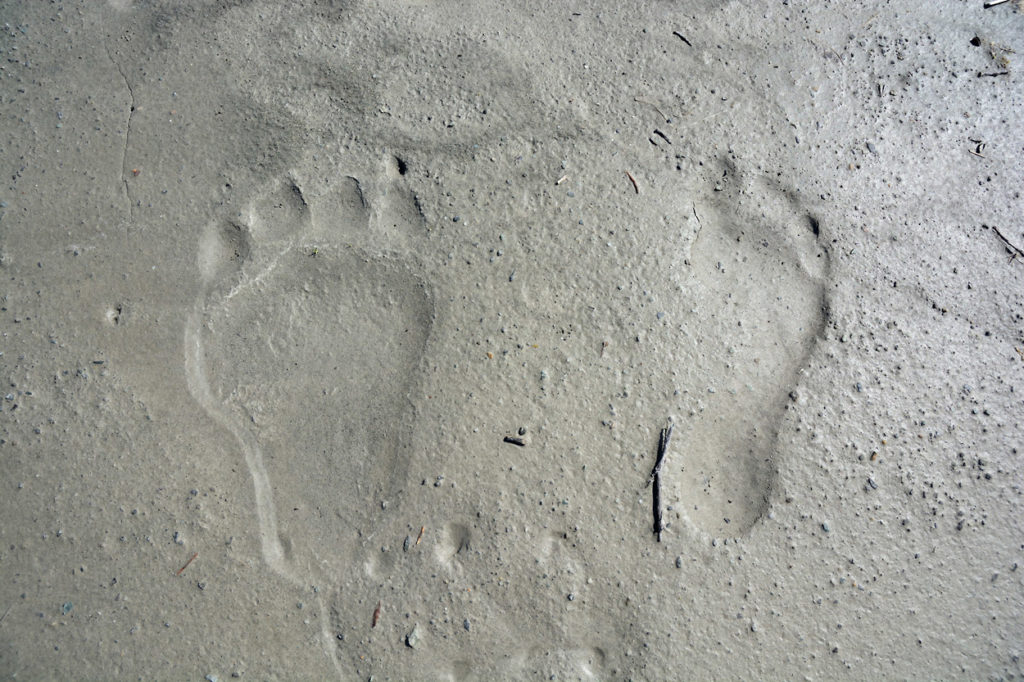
x,y
190,560
1006,241
663,440
657,506
653,106
420,536
679,35
376,615
6,612
993,3
980,156
633,180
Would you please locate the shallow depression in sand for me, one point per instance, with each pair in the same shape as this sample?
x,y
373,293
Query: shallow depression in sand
x,y
315,360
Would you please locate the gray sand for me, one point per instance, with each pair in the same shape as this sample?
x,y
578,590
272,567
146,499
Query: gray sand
x,y
280,278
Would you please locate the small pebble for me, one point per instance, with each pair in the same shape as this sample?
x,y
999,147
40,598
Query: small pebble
x,y
465,624
679,562
871,147
412,639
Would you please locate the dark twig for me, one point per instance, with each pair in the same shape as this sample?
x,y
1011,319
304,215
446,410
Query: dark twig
x,y
679,35
1015,250
515,441
657,506
663,440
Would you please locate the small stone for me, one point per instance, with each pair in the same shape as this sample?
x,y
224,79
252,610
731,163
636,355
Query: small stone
x,y
679,562
407,543
211,678
412,640
871,147
825,527
465,624
571,597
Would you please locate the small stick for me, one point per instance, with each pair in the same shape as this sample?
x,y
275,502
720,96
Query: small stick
x,y
666,435
993,3
376,615
420,536
562,179
662,135
190,560
657,506
633,180
993,74
1015,249
980,156
652,105
679,35
515,441
6,612
694,206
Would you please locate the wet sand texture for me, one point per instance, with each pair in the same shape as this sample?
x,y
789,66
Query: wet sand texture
x,y
337,339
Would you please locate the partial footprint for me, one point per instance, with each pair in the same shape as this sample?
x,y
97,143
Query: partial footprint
x,y
306,352
758,274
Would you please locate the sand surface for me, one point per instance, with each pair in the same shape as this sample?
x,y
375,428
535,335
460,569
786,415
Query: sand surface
x,y
280,278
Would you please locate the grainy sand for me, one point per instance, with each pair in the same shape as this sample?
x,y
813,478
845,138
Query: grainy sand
x,y
280,278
